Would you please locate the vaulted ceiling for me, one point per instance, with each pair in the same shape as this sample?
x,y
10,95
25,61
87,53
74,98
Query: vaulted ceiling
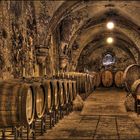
x,y
86,26
70,32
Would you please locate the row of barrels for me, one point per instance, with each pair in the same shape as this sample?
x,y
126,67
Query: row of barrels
x,y
107,78
127,77
23,101
85,82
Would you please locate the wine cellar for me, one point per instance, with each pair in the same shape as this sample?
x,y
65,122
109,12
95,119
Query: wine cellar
x,y
70,69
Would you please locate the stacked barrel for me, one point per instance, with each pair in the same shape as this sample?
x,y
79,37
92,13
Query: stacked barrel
x,y
107,78
118,79
85,82
24,102
17,104
110,78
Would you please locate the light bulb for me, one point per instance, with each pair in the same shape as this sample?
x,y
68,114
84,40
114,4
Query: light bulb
x,y
110,25
110,40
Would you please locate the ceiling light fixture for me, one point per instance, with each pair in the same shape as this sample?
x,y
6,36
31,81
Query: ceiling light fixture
x,y
110,40
110,25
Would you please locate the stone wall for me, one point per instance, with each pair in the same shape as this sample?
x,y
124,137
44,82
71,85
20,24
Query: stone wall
x,y
25,47
94,61
37,37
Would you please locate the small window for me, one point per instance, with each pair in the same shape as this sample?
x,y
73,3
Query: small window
x,y
108,59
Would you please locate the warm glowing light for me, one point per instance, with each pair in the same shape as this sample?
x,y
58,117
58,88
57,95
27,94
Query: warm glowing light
x,y
110,40
110,25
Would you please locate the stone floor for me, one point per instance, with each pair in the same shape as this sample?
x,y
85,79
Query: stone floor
x,y
103,117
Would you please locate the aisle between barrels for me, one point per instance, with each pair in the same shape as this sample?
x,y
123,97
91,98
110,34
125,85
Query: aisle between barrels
x,y
103,117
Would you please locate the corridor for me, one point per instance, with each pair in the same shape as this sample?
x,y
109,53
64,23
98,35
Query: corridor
x,y
103,117
54,51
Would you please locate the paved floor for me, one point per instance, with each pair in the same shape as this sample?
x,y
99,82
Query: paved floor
x,y
103,117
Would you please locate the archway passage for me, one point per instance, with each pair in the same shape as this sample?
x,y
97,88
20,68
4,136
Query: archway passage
x,y
92,28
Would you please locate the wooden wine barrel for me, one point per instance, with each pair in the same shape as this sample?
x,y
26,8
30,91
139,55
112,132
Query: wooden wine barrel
x,y
131,74
82,86
107,78
74,89
55,96
83,83
48,87
70,91
66,92
40,96
97,79
87,83
40,99
90,83
118,78
93,84
17,104
93,80
78,78
61,92
135,88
